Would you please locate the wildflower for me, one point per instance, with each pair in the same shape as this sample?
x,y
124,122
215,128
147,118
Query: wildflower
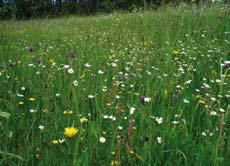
x,y
188,82
159,140
68,112
32,99
70,71
120,127
57,94
104,89
132,109
145,99
176,52
213,113
113,118
218,81
83,120
87,65
226,64
38,156
55,141
20,95
131,152
20,102
203,134
213,99
75,83
41,127
100,72
71,54
186,101
159,120
66,66
102,140
222,110
117,97
71,131
90,96
202,101
61,140
30,49
52,62
23,88
114,163
175,122
114,64
33,111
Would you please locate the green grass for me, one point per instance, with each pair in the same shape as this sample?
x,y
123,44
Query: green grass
x,y
169,55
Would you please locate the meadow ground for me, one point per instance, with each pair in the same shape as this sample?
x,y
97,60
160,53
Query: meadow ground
x,y
145,88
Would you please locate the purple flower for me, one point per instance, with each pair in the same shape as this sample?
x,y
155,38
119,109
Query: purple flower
x,y
71,54
30,49
145,99
226,64
142,99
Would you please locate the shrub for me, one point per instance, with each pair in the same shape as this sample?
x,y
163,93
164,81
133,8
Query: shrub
x,y
107,6
6,11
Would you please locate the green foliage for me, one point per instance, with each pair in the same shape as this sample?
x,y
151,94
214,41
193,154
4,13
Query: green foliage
x,y
4,115
6,11
43,8
107,6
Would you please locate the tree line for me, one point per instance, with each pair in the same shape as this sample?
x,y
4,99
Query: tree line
x,y
50,8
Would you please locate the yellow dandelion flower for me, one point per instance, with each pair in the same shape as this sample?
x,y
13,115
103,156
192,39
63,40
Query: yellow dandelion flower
x,y
55,141
71,131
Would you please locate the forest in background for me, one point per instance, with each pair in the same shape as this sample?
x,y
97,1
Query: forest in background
x,y
21,9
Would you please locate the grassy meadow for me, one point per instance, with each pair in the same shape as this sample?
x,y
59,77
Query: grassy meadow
x,y
145,88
